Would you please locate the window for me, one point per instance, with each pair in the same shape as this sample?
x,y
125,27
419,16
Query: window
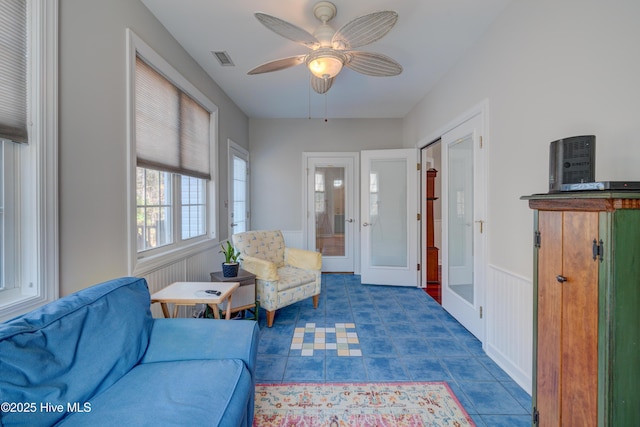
x,y
172,141
319,192
154,208
28,153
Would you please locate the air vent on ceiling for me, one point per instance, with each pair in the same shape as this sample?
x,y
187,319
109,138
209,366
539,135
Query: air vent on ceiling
x,y
223,58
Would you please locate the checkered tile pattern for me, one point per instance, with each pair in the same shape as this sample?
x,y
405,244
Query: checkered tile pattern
x,y
341,339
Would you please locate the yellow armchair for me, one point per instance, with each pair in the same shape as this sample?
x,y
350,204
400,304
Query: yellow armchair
x,y
283,275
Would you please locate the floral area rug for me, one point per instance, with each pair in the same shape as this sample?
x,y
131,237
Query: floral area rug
x,y
415,404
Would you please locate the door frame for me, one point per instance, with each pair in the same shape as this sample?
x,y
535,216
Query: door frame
x,y
481,109
425,164
353,202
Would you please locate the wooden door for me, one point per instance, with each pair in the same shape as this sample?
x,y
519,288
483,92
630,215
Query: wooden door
x,y
579,320
567,353
549,350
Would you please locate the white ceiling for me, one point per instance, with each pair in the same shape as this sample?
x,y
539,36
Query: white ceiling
x,y
429,37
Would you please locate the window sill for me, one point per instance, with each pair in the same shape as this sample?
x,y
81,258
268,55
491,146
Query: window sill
x,y
14,304
145,265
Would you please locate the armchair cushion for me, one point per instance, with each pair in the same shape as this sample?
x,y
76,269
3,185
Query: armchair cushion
x,y
302,258
292,277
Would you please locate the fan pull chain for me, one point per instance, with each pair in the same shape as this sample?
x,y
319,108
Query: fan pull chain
x,y
325,108
309,94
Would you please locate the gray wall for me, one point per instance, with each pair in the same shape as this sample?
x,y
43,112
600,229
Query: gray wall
x,y
93,147
276,148
549,69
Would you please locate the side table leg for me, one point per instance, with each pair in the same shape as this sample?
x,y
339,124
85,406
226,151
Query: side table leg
x,y
165,310
227,315
216,312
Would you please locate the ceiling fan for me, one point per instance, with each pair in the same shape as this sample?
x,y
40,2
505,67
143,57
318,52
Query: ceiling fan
x,y
330,50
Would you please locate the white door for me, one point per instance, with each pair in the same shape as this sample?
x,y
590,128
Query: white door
x,y
331,214
239,211
463,246
389,223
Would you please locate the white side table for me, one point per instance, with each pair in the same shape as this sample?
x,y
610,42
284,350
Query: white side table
x,y
192,293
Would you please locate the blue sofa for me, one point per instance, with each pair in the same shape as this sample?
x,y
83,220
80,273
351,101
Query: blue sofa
x,y
98,358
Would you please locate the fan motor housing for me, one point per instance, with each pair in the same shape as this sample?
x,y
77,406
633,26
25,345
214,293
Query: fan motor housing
x,y
325,11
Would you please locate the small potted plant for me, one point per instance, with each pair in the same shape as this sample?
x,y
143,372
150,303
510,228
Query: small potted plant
x,y
231,257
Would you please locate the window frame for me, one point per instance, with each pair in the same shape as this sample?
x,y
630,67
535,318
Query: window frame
x,y
141,263
38,256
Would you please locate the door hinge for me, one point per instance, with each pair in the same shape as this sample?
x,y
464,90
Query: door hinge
x,y
419,166
481,142
419,267
419,217
598,250
481,312
535,417
537,239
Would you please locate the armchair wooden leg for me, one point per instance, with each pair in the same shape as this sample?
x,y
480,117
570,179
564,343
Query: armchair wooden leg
x,y
270,316
316,299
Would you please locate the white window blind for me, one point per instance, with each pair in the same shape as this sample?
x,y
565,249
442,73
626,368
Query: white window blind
x,y
172,130
13,71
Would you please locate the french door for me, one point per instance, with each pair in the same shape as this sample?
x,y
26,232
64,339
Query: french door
x,y
332,211
463,246
389,222
238,179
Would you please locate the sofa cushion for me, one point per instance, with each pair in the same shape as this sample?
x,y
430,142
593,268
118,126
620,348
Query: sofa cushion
x,y
190,339
290,277
267,245
189,392
54,355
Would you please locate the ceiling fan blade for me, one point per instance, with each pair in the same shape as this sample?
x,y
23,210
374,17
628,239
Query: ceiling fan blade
x,y
321,85
372,64
278,64
287,30
364,30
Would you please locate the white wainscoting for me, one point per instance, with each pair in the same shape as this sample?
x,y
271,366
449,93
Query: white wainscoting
x,y
196,268
509,337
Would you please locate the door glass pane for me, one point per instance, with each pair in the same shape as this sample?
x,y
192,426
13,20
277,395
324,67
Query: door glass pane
x,y
239,213
330,218
387,213
460,218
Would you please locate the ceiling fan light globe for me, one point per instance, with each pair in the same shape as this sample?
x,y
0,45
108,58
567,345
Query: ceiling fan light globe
x,y
325,67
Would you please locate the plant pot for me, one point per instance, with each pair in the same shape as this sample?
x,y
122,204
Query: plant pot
x,y
230,270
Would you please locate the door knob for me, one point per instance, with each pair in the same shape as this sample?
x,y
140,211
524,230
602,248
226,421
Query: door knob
x,y
349,220
365,224
561,279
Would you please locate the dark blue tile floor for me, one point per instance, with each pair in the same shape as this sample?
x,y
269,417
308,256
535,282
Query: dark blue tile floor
x,y
403,335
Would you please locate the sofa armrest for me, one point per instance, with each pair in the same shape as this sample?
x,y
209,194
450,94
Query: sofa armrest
x,y
264,270
302,258
203,339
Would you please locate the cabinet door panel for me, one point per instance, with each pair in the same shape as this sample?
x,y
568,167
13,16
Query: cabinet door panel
x,y
579,382
549,350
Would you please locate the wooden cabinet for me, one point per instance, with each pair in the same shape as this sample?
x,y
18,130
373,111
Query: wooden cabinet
x,y
432,264
586,309
244,298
